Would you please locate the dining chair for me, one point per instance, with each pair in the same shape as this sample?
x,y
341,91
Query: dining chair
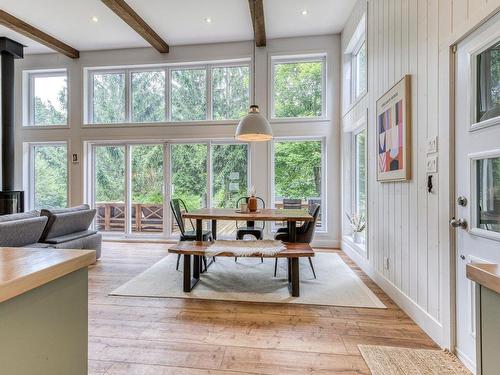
x,y
305,234
292,204
178,206
251,228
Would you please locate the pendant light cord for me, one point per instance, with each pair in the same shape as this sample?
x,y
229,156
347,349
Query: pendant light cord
x,y
254,61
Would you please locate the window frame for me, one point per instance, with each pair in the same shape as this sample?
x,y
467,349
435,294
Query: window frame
x,y
286,59
29,77
89,73
355,170
355,95
324,166
31,170
90,177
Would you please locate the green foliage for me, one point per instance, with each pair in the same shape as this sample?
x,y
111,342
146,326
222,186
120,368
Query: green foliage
x,y
298,89
297,169
148,96
230,92
147,174
189,94
109,98
110,174
230,164
51,176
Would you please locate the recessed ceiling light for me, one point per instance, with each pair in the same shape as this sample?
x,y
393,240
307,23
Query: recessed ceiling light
x,y
208,20
304,12
95,19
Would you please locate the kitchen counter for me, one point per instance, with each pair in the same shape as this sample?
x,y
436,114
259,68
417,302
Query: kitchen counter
x,y
488,275
44,311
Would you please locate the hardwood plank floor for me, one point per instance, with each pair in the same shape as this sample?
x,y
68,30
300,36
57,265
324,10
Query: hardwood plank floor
x,y
161,336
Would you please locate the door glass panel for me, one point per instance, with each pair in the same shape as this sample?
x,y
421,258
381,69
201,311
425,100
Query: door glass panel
x,y
229,180
189,176
488,83
110,188
50,176
488,194
147,189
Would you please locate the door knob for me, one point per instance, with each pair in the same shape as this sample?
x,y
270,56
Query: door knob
x,y
458,223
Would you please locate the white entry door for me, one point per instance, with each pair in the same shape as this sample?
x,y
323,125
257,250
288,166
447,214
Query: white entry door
x,y
477,169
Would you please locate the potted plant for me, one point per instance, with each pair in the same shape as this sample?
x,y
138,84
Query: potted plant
x,y
358,225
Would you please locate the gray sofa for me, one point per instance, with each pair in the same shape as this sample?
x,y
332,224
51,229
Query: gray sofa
x,y
66,228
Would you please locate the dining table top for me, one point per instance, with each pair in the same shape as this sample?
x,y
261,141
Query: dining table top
x,y
265,214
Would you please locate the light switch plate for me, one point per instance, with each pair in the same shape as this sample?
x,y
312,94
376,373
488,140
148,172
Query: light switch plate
x,y
432,145
432,162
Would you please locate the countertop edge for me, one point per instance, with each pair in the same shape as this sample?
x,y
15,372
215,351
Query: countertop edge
x,y
486,275
42,276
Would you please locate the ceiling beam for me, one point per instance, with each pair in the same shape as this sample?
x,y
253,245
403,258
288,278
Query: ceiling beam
x,y
127,14
258,22
21,27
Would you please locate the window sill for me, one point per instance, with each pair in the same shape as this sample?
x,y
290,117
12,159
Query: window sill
x,y
160,124
44,127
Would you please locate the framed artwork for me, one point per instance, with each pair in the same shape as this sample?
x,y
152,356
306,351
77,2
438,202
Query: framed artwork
x,y
394,133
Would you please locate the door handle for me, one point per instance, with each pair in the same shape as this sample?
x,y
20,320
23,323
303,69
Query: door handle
x,y
458,223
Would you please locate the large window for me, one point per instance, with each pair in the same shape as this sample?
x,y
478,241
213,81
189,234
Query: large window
x,y
355,66
359,71
298,87
182,93
299,173
47,101
49,176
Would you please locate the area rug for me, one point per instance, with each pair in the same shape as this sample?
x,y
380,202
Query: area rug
x,y
250,280
387,360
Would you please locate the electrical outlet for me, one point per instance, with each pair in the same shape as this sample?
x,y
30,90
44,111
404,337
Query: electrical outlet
x,y
432,163
432,145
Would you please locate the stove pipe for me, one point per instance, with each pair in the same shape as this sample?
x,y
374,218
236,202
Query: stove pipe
x,y
9,50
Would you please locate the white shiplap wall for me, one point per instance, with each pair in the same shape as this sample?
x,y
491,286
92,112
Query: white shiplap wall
x,y
406,224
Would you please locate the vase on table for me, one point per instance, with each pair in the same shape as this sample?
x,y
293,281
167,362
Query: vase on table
x,y
357,237
252,204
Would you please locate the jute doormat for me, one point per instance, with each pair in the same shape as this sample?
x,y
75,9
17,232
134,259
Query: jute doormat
x,y
387,360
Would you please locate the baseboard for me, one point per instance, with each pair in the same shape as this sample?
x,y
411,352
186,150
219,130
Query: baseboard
x,y
466,360
430,325
329,244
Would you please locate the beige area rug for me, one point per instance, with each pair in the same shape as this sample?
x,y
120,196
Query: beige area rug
x,y
387,360
250,280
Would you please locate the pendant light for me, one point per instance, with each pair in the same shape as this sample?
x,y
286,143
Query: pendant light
x,y
254,126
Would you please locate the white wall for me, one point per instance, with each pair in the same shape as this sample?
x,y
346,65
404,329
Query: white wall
x,y
406,224
77,133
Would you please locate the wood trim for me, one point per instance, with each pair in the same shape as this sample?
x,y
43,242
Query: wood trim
x,y
24,269
258,22
21,27
131,18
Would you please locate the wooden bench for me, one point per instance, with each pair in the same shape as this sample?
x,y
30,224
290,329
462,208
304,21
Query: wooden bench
x,y
197,250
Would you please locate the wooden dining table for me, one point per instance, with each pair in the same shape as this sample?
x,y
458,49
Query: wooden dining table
x,y
291,217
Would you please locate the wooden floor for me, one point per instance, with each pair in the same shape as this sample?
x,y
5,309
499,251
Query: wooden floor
x,y
148,336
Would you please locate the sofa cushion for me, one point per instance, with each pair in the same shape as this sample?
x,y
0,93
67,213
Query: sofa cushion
x,y
70,237
51,211
61,224
22,232
19,216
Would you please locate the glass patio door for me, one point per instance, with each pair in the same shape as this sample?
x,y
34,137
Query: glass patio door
x,y
127,188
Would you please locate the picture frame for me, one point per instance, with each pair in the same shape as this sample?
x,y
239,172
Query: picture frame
x,y
393,132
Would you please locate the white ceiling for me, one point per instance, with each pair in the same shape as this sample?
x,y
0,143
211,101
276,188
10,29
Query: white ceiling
x,y
178,22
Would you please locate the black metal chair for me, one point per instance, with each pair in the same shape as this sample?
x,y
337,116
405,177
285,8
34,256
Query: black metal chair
x,y
251,228
178,206
305,234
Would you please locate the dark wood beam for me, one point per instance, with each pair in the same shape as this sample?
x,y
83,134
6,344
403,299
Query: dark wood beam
x,y
21,27
127,14
258,22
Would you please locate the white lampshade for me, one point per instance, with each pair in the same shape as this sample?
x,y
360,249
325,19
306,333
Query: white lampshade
x,y
254,127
